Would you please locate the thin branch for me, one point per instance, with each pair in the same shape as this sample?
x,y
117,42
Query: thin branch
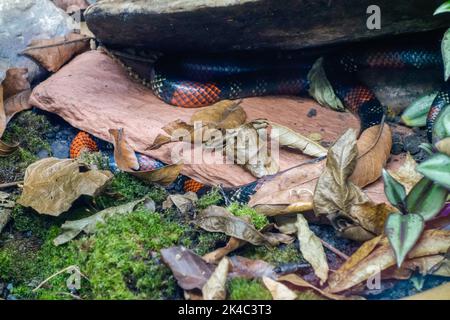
x,y
10,184
334,250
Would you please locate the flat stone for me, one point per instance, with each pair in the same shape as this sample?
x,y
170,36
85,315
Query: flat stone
x,y
221,25
95,94
25,20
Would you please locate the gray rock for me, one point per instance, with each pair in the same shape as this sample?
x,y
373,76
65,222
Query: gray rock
x,y
24,20
218,25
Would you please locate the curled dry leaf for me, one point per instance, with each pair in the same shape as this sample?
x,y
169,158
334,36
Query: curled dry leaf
x,y
242,267
183,202
278,290
190,270
374,147
249,147
7,149
299,282
215,289
291,139
334,192
88,225
51,185
52,54
17,103
218,254
347,206
124,154
377,255
127,161
312,249
16,81
218,219
407,174
225,114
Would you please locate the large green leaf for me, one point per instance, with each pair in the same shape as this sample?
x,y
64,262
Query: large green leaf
x,y
445,47
394,190
445,7
426,198
415,115
437,168
403,231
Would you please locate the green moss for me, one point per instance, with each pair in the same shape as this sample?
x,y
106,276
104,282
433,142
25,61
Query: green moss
x,y
95,160
26,220
30,130
275,255
244,289
121,261
212,197
309,295
125,188
258,220
208,241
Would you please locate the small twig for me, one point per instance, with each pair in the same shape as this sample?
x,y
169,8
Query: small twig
x,y
57,274
10,184
56,44
334,250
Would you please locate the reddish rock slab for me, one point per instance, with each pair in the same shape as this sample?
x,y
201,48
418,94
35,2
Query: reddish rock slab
x,y
95,94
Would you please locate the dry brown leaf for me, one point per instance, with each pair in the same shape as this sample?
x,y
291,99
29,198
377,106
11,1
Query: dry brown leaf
x,y
432,242
218,219
250,148
374,147
127,161
272,210
124,155
225,114
183,202
7,149
215,289
218,254
52,54
17,103
190,270
242,267
163,176
51,185
370,216
407,174
333,192
312,249
294,185
291,139
299,282
278,290
16,80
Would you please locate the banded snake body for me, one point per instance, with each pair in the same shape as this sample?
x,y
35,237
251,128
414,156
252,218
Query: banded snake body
x,y
192,82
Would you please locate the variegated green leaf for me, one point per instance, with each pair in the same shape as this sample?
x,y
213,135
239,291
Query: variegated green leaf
x,y
437,168
394,190
445,47
426,198
416,113
403,231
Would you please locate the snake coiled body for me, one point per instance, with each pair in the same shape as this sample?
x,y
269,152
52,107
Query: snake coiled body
x,y
192,82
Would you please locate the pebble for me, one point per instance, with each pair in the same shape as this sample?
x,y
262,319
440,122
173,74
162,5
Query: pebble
x,y
312,113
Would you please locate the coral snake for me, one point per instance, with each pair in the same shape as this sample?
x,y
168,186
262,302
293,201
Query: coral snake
x,y
199,81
